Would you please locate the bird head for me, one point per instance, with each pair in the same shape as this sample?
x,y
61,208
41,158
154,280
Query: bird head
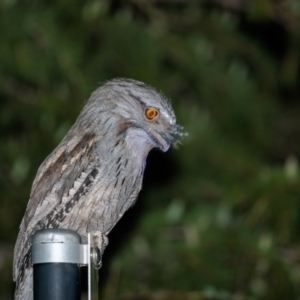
x,y
135,111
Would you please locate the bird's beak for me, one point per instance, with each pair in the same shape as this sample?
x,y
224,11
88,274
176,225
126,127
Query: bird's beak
x,y
177,130
170,138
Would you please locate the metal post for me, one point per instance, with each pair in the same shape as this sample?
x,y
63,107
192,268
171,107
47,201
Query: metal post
x,y
56,256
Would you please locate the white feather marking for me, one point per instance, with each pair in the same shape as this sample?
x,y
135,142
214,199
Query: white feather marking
x,y
77,184
64,199
91,142
72,192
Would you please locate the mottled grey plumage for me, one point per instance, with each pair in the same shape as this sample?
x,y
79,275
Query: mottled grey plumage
x,y
95,174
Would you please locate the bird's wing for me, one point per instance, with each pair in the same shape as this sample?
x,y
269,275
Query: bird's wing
x,y
54,180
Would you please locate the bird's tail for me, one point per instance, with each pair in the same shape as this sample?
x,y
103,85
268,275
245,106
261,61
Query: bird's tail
x,y
24,288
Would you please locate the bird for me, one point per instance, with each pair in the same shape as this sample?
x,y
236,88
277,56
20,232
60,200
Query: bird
x,y
95,174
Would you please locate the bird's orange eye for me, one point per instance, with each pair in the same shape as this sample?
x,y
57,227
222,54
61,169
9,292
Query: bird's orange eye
x,y
151,113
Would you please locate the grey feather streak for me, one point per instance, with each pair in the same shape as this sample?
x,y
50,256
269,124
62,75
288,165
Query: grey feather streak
x,y
95,174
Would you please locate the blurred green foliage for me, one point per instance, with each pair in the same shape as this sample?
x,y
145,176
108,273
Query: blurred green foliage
x,y
218,218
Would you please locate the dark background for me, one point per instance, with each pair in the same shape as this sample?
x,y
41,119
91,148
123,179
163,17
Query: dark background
x,y
218,218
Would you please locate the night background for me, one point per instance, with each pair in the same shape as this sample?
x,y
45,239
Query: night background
x,y
219,217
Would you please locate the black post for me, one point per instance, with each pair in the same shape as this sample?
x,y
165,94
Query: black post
x,y
56,255
56,281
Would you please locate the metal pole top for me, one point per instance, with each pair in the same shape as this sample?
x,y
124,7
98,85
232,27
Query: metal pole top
x,y
56,235
58,246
